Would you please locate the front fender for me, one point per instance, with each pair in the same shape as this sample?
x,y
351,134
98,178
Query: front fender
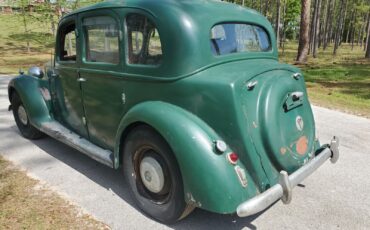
x,y
35,96
210,181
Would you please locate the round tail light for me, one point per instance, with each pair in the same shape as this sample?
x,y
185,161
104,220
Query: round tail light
x,y
233,158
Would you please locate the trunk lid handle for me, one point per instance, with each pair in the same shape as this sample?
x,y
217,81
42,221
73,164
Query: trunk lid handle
x,y
293,100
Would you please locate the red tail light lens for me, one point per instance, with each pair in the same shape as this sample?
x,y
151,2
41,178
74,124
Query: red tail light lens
x,y
233,158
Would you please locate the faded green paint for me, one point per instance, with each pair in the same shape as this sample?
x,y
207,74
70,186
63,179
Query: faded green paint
x,y
192,99
28,89
207,175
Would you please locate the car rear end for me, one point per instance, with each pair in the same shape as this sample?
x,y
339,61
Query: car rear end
x,y
231,79
260,108
276,114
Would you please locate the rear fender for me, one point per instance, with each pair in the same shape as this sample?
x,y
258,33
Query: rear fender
x,y
35,96
210,181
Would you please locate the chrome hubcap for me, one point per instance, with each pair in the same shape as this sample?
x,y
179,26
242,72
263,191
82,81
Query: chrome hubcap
x,y
151,174
22,115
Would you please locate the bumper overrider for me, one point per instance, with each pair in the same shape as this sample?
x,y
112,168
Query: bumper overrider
x,y
283,190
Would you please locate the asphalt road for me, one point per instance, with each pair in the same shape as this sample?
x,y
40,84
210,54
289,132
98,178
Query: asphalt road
x,y
334,197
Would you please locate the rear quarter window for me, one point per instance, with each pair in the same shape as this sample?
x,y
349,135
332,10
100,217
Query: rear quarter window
x,y
144,43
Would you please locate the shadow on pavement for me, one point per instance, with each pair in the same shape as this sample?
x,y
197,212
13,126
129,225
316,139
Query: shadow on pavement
x,y
113,180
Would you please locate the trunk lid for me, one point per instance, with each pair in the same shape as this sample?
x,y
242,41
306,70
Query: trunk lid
x,y
279,118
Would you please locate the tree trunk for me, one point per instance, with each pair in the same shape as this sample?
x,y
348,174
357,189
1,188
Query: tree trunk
x,y
277,21
317,29
367,55
338,27
304,31
329,29
323,22
331,26
368,34
25,26
359,35
282,32
328,23
353,30
350,26
343,23
364,30
353,38
312,27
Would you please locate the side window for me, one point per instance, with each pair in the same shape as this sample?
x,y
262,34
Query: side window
x,y
68,43
144,44
101,40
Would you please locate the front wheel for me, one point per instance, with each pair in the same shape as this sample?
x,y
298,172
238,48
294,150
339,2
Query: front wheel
x,y
153,174
21,119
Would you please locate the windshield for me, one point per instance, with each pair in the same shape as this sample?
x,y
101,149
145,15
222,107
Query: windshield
x,y
231,38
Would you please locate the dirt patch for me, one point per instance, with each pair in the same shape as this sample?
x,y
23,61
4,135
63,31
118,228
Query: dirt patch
x,y
27,204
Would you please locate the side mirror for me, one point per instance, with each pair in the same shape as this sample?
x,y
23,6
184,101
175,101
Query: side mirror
x,y
35,71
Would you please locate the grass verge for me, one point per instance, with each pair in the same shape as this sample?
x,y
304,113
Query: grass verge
x,y
346,88
24,204
340,82
13,44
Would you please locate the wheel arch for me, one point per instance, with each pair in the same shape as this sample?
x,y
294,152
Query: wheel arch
x,y
123,137
29,90
210,182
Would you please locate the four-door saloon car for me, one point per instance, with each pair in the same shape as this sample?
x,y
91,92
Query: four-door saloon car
x,y
187,97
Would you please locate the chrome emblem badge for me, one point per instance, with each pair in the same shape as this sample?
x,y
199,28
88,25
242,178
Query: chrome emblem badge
x,y
299,123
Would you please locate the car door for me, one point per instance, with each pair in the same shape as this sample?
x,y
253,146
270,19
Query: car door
x,y
101,67
109,90
67,83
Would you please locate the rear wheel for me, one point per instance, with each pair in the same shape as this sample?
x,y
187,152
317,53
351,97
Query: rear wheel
x,y
21,119
154,176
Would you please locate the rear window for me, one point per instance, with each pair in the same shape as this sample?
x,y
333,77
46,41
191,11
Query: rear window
x,y
231,38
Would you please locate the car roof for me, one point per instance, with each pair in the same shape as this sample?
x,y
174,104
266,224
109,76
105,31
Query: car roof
x,y
211,6
184,27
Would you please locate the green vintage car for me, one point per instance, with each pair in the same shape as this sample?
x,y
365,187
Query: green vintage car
x,y
186,96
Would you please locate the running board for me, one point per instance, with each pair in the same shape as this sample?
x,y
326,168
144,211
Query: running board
x,y
59,132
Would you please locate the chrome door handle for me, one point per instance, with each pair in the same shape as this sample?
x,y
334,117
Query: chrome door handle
x,y
81,79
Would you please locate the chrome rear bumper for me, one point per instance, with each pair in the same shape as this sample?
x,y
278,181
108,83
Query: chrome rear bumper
x,y
283,190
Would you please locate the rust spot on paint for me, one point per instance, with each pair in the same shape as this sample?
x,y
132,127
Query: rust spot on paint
x,y
302,145
282,150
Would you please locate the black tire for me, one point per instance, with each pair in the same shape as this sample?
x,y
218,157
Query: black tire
x,y
25,127
168,204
